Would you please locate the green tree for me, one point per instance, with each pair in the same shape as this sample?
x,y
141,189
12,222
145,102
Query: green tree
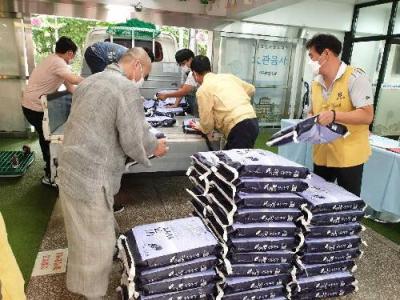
x,y
46,28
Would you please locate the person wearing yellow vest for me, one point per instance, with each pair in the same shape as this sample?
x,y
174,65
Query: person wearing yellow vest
x,y
11,280
224,104
343,94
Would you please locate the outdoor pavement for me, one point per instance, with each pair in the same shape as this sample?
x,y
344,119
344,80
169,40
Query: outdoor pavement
x,y
150,199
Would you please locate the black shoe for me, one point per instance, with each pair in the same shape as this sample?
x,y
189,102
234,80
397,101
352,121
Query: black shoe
x,y
118,208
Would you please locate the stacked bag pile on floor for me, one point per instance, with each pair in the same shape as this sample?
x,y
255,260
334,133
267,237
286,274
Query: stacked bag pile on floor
x,y
171,260
248,199
325,264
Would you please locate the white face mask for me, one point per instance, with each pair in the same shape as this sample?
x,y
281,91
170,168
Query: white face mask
x,y
140,82
185,69
315,66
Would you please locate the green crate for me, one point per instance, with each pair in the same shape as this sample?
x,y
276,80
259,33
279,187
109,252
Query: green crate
x,y
7,170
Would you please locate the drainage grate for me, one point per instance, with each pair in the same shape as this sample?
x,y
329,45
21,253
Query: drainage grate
x,y
6,168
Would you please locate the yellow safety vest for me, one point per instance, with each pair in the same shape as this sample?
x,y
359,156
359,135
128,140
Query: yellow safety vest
x,y
344,152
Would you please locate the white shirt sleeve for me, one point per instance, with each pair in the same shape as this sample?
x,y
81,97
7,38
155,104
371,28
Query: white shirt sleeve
x,y
360,89
190,80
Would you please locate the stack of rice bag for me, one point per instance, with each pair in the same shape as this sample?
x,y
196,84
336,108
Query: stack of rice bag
x,y
248,199
171,260
325,263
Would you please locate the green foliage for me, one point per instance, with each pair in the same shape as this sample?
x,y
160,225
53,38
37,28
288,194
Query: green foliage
x,y
46,29
174,31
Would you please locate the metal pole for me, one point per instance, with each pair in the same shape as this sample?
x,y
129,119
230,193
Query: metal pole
x,y
386,51
154,43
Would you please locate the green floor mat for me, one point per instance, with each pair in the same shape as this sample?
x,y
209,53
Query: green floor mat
x,y
22,162
26,205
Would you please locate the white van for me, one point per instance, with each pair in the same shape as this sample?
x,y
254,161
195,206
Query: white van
x,y
165,75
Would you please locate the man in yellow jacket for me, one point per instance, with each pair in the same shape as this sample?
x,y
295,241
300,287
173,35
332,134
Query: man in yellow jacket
x,y
11,280
224,104
341,94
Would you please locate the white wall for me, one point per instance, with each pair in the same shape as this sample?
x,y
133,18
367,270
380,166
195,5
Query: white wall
x,y
312,13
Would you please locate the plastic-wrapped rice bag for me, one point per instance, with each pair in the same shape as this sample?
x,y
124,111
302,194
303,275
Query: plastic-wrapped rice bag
x,y
190,267
161,121
331,244
204,293
308,131
189,281
281,229
226,225
178,111
149,103
276,200
340,230
260,294
266,215
271,257
321,282
262,244
166,243
323,294
322,269
329,257
237,163
239,284
260,185
240,270
326,197
336,218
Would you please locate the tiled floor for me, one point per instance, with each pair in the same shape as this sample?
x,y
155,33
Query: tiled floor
x,y
152,199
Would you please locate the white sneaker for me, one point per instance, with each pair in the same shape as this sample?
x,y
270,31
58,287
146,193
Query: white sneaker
x,y
47,181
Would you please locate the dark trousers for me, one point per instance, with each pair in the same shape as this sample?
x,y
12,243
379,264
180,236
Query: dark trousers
x,y
96,64
349,178
243,135
35,118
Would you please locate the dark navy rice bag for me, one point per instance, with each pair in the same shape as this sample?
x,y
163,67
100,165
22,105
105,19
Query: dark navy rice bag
x,y
331,244
241,270
261,257
322,196
323,282
261,244
239,284
271,257
276,200
336,218
323,294
189,281
190,267
268,229
322,269
256,215
257,163
339,230
330,257
204,293
260,294
171,242
270,185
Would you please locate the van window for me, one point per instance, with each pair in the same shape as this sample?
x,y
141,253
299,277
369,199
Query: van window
x,y
158,56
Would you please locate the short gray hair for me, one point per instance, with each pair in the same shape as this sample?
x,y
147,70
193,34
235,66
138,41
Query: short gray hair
x,y
136,53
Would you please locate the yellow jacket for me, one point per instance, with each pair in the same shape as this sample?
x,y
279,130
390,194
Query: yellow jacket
x,y
224,101
351,151
11,280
